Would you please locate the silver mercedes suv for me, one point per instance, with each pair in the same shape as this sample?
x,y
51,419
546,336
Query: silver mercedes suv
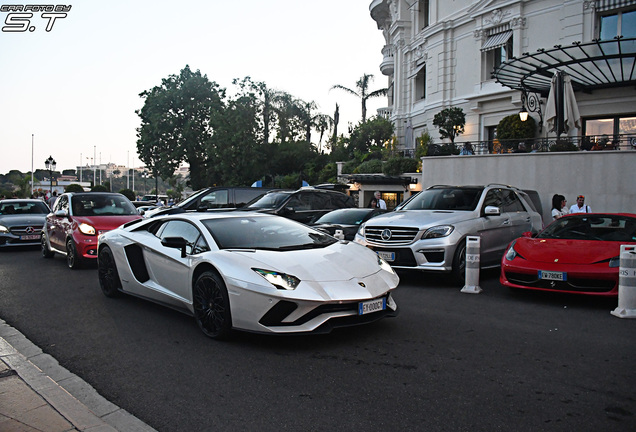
x,y
428,232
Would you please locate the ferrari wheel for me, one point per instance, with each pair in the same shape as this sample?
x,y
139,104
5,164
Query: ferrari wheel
x,y
44,247
107,272
459,263
212,305
72,260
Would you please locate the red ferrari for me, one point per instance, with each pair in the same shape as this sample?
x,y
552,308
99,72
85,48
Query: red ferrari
x,y
577,253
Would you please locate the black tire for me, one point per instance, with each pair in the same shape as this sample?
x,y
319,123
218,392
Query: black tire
x,y
459,263
212,305
45,249
107,273
72,260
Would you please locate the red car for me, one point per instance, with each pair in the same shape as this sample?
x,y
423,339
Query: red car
x,y
578,253
78,219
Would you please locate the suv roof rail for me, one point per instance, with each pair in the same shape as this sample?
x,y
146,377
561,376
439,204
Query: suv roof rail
x,y
504,185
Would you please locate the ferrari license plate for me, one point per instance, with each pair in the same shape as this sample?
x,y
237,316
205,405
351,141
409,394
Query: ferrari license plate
x,y
387,256
371,306
551,275
30,237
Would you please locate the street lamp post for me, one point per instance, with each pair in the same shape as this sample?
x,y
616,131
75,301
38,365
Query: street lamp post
x,y
50,165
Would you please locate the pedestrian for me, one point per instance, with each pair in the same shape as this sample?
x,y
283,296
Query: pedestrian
x,y
580,206
467,150
51,201
559,207
380,202
373,203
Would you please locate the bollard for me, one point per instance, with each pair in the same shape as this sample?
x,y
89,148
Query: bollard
x,y
472,266
339,234
626,283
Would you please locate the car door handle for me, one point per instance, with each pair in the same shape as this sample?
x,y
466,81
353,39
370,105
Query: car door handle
x,y
506,222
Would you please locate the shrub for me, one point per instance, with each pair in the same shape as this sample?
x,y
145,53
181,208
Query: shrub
x,y
128,194
563,146
73,187
370,167
99,188
398,165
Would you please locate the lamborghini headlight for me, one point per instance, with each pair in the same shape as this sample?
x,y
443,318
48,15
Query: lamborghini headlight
x,y
87,229
438,231
279,280
385,265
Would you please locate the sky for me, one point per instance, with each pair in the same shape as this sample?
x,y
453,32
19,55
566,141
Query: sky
x,y
72,92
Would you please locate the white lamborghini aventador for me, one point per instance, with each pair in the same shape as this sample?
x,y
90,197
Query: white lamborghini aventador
x,y
247,271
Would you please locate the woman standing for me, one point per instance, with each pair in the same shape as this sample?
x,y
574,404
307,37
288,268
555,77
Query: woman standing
x,y
559,206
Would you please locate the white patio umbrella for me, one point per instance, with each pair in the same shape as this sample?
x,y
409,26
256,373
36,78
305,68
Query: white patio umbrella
x,y
562,112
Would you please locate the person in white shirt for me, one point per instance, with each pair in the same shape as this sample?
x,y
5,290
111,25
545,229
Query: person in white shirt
x,y
559,206
580,206
380,202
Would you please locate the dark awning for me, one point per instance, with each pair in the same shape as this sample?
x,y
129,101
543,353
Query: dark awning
x,y
380,179
593,65
496,40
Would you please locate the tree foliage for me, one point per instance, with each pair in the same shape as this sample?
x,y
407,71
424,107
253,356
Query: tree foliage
x,y
362,91
450,122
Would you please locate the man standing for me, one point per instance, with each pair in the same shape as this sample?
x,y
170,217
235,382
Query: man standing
x,y
580,206
380,202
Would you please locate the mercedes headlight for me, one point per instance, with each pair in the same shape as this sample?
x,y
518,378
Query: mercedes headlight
x,y
438,231
4,229
87,229
279,280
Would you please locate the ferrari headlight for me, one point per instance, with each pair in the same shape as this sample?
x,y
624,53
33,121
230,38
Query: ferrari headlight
x,y
4,229
385,265
615,262
438,231
511,253
279,280
87,229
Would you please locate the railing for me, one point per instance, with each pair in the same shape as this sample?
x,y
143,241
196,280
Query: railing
x,y
550,144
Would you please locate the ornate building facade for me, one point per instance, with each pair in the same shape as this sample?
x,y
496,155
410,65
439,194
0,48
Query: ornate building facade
x,y
483,56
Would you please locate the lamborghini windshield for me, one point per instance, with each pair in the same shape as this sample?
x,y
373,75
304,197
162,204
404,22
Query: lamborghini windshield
x,y
269,233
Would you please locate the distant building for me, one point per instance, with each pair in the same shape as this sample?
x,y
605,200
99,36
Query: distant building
x,y
493,58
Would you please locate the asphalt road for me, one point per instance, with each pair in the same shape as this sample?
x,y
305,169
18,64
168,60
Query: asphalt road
x,y
496,361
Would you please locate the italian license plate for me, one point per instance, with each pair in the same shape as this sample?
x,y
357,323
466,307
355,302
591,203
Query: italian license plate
x,y
387,256
551,275
30,237
371,306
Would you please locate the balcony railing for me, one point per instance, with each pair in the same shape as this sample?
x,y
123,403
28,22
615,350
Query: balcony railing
x,y
587,143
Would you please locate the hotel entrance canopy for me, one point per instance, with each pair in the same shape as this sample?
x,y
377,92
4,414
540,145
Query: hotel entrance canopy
x,y
593,65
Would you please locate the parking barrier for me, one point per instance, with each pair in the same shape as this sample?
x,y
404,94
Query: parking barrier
x,y
339,234
626,283
472,265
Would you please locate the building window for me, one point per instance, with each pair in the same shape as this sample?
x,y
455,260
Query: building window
x,y
420,84
619,130
423,7
618,24
497,49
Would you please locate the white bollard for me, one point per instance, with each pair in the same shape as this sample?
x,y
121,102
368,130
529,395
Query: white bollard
x,y
472,266
626,283
339,234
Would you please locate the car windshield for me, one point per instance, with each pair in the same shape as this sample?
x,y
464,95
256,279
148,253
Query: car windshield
x,y
269,233
23,207
344,217
102,205
592,227
268,201
463,199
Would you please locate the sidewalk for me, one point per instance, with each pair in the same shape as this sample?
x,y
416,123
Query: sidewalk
x,y
37,394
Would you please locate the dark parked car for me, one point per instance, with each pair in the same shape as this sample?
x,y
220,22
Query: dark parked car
x,y
21,222
346,220
303,205
78,219
212,198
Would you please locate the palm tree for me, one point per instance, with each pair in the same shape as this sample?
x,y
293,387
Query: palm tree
x,y
363,92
